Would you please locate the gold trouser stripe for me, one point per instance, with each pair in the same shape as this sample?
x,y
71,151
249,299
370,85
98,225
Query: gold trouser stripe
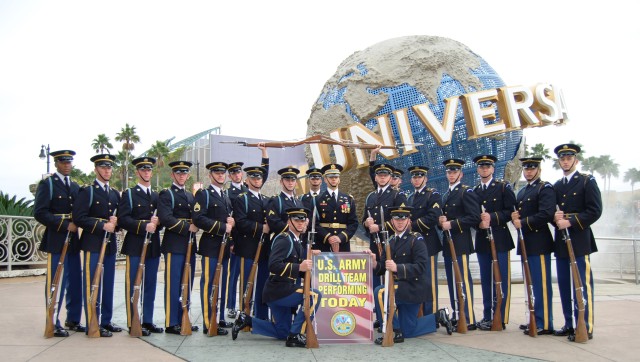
x,y
587,278
226,291
127,292
312,307
47,291
241,285
543,271
507,301
469,301
167,291
434,284
205,292
87,272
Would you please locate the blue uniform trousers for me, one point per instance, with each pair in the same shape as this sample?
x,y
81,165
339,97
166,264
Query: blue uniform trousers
x,y
563,266
232,283
70,286
281,326
485,261
206,288
406,317
260,310
147,287
467,285
431,306
104,292
540,267
173,287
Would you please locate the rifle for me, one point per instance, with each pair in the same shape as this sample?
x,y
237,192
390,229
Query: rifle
x,y
53,293
93,329
185,292
213,300
312,338
376,238
581,335
389,290
322,140
533,329
136,327
462,315
496,324
248,292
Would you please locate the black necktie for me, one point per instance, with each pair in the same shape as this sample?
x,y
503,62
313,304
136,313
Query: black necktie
x,y
564,181
379,192
484,187
66,182
148,192
106,188
315,194
333,195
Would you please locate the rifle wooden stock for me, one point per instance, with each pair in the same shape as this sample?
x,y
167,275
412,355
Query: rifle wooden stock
x,y
136,326
319,139
248,292
581,327
213,320
387,339
462,315
53,293
185,291
312,339
533,328
496,324
93,328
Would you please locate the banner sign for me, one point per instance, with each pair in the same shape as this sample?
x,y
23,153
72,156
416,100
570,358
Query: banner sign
x,y
346,310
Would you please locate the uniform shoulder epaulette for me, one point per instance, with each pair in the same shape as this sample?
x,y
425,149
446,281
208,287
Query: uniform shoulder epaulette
x,y
465,187
114,189
351,196
242,193
546,183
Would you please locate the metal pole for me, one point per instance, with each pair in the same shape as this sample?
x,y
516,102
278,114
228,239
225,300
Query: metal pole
x,y
635,260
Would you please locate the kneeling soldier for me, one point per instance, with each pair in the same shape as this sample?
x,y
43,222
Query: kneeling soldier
x,y
283,291
408,260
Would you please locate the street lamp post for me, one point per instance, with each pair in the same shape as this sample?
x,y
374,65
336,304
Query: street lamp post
x,y
197,171
44,153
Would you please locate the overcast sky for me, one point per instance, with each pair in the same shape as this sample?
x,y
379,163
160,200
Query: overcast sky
x,y
70,70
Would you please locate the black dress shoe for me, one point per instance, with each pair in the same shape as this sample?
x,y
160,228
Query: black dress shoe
x,y
524,326
397,338
471,327
564,331
105,333
231,313
443,320
484,325
296,340
173,330
225,324
145,332
75,326
376,324
60,332
112,328
195,328
572,337
540,331
240,323
152,328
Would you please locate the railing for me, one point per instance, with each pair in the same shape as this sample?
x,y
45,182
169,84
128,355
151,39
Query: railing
x,y
20,238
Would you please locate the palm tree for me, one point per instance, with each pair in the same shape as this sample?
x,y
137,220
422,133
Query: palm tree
x,y
160,151
590,164
607,168
101,143
538,150
13,207
632,176
128,136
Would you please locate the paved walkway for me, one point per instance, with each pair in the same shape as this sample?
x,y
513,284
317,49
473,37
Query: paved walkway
x,y
22,319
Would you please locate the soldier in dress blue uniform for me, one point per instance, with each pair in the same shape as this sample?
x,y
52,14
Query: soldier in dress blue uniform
x,y
54,201
287,262
93,211
498,200
236,187
250,212
580,202
461,213
536,206
396,178
136,216
174,212
408,262
277,216
310,199
337,220
426,203
212,212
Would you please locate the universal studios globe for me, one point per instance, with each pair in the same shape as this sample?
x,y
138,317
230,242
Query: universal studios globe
x,y
400,73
